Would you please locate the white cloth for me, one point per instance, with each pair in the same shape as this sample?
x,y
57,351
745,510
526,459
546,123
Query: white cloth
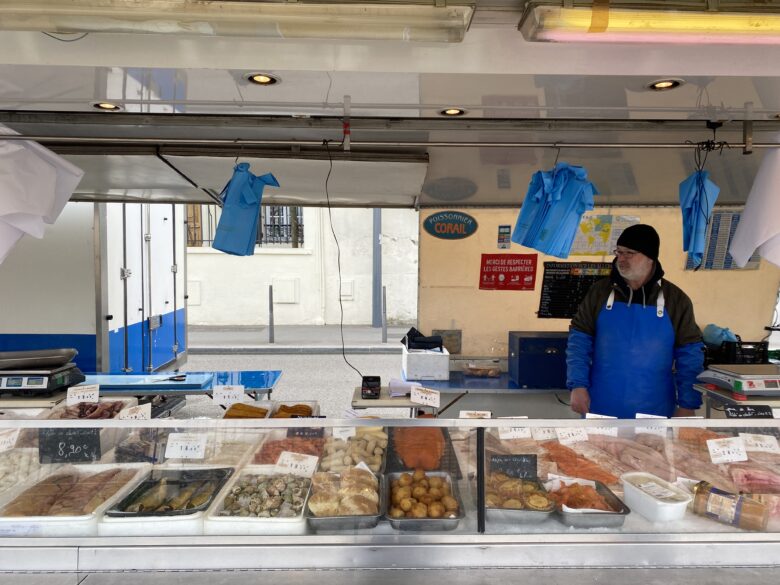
x,y
759,227
35,185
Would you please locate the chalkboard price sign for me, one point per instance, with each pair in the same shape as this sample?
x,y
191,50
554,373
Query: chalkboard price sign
x,y
520,466
306,432
68,445
746,411
565,284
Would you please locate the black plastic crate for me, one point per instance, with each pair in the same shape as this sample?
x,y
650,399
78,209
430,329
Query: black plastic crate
x,y
739,352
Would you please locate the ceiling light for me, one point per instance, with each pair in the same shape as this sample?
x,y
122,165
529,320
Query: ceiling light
x,y
262,78
452,112
366,19
107,106
665,84
608,23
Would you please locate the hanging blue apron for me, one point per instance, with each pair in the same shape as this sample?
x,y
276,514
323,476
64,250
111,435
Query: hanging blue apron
x,y
237,229
632,360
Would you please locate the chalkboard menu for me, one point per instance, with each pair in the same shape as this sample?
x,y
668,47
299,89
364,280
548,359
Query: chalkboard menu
x,y
65,445
564,286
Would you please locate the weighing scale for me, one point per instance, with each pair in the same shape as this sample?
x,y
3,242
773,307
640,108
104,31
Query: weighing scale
x,y
744,379
40,381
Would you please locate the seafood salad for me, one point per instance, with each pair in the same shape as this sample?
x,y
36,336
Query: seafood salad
x,y
266,496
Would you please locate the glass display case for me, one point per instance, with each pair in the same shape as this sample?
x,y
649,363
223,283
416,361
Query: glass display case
x,y
312,493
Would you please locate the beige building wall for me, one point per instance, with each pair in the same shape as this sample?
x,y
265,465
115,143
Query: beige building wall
x,y
449,295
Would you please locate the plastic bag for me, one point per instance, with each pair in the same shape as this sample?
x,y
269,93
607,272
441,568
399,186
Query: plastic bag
x,y
714,336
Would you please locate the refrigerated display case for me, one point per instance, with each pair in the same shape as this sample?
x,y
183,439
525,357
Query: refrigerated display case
x,y
301,493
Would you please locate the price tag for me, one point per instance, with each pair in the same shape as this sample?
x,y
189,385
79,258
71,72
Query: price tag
x,y
86,393
776,413
611,431
514,432
748,411
425,397
571,435
475,414
296,464
140,412
344,433
68,445
727,450
186,446
8,439
227,395
351,413
362,465
543,434
521,466
760,443
651,430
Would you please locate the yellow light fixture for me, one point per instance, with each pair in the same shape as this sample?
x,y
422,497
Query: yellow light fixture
x,y
107,106
452,112
665,84
262,79
607,22
364,19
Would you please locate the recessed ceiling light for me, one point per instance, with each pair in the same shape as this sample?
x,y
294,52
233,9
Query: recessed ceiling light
x,y
664,84
453,112
262,78
107,106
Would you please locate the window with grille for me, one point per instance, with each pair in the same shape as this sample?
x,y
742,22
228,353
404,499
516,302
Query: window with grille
x,y
280,225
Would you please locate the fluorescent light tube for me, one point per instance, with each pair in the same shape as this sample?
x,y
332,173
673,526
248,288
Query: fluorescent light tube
x,y
345,20
619,25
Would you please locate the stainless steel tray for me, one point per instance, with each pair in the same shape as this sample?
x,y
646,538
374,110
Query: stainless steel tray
x,y
426,524
36,359
524,516
335,523
598,519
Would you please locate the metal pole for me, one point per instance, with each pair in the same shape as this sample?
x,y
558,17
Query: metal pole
x,y
384,314
294,226
376,282
270,313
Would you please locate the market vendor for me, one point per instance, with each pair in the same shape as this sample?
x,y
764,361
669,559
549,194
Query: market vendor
x,y
634,346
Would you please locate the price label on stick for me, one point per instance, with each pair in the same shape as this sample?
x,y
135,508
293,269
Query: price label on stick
x,y
296,464
571,435
227,395
728,450
8,439
68,445
760,443
650,430
186,446
140,412
85,393
611,431
425,397
543,434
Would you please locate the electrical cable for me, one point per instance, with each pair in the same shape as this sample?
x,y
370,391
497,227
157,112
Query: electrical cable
x,y
56,38
338,259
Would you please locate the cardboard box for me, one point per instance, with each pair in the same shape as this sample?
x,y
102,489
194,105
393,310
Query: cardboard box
x,y
425,364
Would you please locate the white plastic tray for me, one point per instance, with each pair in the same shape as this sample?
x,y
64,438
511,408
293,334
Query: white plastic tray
x,y
215,524
652,508
60,526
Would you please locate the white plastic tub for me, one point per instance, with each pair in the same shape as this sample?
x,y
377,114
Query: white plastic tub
x,y
654,498
242,525
61,526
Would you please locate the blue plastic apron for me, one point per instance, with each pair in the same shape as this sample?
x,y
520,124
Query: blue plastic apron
x,y
632,360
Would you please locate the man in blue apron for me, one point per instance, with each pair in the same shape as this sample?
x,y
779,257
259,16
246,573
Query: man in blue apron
x,y
634,346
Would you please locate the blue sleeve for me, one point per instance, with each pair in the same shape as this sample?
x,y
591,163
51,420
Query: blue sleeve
x,y
689,363
579,357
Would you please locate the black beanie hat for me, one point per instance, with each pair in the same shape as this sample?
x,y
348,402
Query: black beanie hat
x,y
642,238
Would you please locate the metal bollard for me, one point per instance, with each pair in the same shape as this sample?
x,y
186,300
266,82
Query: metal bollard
x,y
270,313
384,314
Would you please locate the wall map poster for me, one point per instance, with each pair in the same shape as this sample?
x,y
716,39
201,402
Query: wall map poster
x,y
508,272
598,234
564,286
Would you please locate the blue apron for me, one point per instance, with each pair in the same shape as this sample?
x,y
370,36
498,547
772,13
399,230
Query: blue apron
x,y
632,360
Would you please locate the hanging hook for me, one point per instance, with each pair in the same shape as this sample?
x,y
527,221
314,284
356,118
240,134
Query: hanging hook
x,y
557,154
240,151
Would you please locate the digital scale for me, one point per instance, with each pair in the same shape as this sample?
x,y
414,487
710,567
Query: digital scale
x,y
744,379
41,381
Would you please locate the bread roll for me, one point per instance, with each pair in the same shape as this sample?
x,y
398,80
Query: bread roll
x,y
358,475
324,504
364,491
356,505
